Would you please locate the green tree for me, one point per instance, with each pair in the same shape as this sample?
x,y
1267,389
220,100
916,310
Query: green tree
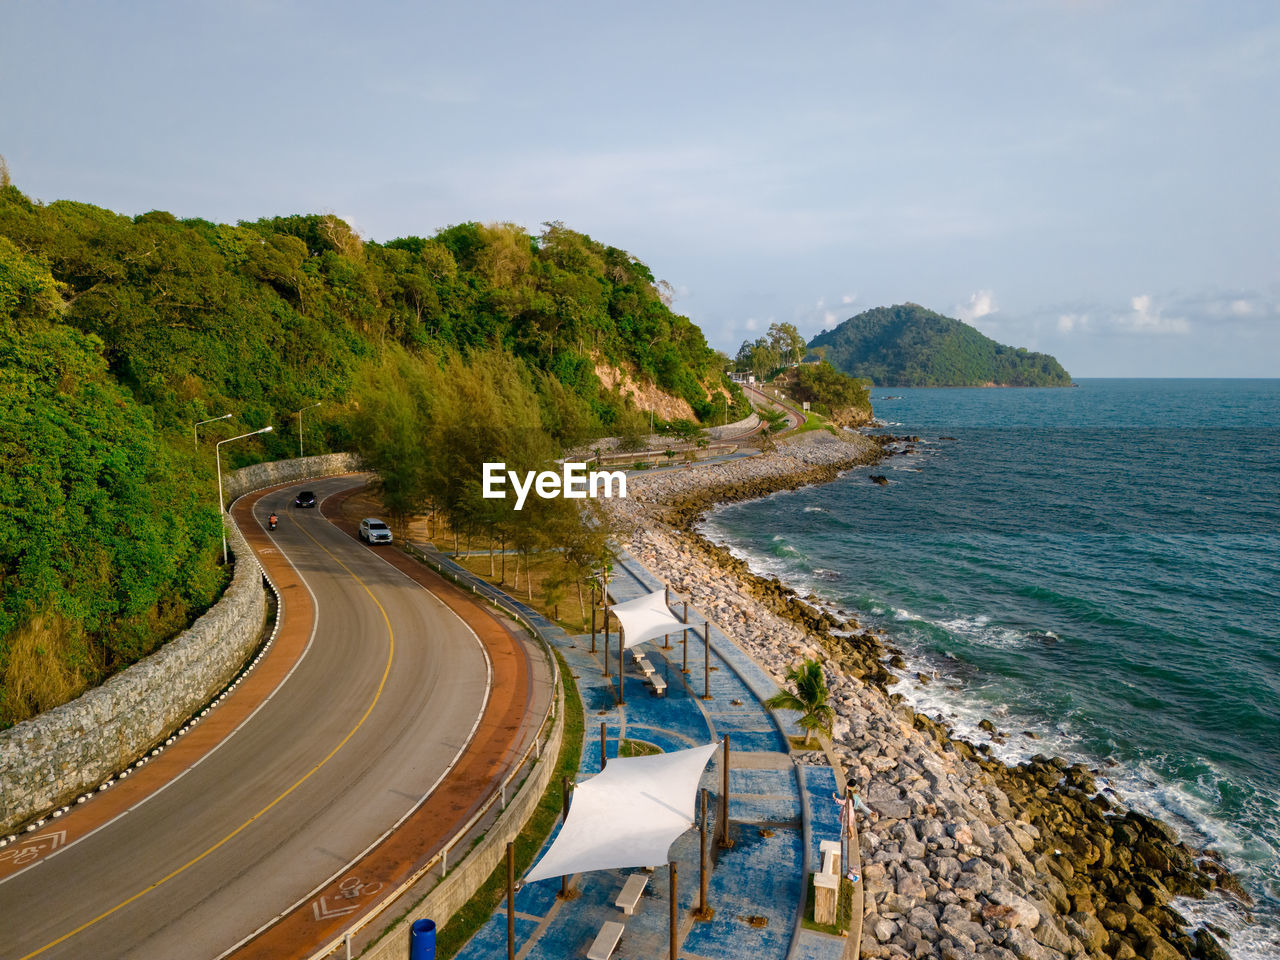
x,y
786,342
809,698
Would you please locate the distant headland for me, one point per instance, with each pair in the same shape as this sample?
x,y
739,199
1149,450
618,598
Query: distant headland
x,y
909,346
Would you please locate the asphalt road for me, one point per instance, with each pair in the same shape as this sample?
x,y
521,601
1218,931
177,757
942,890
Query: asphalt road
x,y
386,695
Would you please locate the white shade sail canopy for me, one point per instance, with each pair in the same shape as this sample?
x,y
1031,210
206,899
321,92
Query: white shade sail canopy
x,y
645,618
628,815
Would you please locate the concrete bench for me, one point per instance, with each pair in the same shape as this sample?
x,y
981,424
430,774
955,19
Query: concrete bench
x,y
659,685
606,941
645,666
630,894
830,850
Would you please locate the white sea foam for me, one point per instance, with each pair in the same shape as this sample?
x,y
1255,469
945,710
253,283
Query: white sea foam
x,y
1138,785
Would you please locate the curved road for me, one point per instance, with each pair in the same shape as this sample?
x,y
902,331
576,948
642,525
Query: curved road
x,y
347,730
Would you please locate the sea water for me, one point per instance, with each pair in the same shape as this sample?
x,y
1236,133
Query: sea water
x,y
1097,565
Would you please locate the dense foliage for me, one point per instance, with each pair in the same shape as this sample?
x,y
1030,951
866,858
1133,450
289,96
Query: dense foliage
x,y
426,428
263,318
120,333
909,346
105,546
830,392
781,344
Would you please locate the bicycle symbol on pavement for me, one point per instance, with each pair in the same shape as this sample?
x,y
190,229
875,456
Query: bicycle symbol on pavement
x,y
31,850
352,888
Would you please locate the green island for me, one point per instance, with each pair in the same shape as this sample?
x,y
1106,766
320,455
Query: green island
x,y
908,346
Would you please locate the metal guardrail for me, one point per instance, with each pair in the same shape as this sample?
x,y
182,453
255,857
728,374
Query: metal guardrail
x,y
500,795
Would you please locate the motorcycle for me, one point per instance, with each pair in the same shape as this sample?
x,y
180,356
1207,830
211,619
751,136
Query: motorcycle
x,y
272,521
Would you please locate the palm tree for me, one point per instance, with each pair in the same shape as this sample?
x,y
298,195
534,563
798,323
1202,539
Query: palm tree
x,y
809,699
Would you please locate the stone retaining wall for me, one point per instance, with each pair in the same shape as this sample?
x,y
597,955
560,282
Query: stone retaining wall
x,y
733,429
259,475
50,759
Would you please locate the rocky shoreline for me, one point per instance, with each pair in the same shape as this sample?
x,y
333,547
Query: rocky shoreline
x,y
969,857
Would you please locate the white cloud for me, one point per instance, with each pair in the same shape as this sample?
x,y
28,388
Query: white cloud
x,y
848,298
829,317
1070,322
1146,317
1242,308
980,304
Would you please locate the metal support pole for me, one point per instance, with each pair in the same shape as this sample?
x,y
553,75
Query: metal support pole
x,y
666,597
706,661
593,619
666,641
222,509
511,901
725,841
622,670
606,636
684,642
702,858
604,757
675,912
564,815
685,617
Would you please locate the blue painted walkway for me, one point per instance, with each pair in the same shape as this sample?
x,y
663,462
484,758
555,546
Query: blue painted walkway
x,y
779,812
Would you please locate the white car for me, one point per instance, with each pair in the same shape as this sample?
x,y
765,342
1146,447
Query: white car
x,y
373,530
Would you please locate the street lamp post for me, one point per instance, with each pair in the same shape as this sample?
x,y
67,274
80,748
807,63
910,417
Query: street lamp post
x,y
195,435
217,456
299,416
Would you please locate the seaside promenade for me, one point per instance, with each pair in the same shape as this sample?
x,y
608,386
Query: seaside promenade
x,y
780,808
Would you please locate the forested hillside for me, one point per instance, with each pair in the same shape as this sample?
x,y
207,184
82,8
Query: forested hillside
x,y
909,346
121,333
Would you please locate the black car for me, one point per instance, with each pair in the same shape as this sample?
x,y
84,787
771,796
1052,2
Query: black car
x,y
305,499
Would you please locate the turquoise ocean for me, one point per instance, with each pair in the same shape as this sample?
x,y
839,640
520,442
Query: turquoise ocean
x,y
1099,565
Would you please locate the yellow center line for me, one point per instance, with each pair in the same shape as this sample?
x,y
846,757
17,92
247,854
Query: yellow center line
x,y
386,671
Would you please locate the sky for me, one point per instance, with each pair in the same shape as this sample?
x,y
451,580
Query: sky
x,y
1093,179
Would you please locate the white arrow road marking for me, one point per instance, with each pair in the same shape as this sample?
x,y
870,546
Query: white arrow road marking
x,y
322,911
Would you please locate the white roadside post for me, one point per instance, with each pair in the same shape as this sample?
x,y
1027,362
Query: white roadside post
x,y
217,456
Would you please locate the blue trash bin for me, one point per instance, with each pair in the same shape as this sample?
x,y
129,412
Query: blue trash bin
x,y
422,940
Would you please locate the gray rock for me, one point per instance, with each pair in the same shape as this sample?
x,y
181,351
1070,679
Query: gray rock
x,y
944,868
966,932
924,920
884,929
891,809
910,885
1023,945
1048,933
